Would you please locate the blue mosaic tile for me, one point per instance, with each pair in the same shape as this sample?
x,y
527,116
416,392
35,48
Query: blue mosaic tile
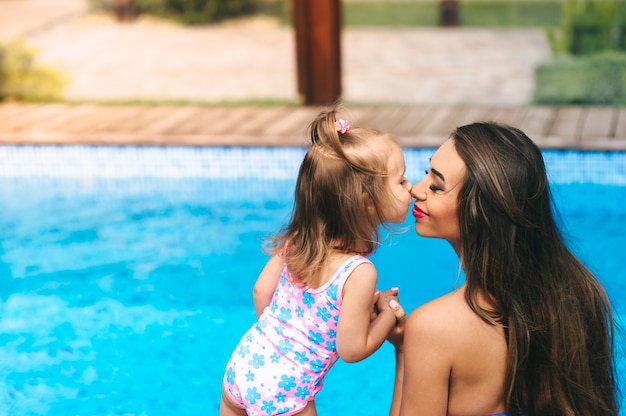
x,y
159,162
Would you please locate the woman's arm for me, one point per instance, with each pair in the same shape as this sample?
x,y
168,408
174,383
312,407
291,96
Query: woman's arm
x,y
396,338
425,377
266,283
398,382
358,335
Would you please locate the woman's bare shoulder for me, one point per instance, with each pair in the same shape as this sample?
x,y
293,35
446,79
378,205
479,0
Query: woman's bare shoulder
x,y
441,314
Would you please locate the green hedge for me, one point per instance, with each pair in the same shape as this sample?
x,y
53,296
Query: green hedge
x,y
187,11
509,13
596,79
496,13
21,78
589,26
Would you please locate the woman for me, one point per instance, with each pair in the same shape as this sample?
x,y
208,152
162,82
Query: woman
x,y
530,331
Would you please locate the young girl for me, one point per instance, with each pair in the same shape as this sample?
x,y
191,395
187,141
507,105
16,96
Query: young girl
x,y
314,298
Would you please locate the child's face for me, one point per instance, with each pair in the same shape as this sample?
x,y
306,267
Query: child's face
x,y
397,206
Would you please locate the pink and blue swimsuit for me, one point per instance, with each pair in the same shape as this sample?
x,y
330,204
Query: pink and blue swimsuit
x,y
280,363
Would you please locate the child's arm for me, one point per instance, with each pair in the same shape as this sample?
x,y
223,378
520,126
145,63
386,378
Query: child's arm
x,y
266,283
357,335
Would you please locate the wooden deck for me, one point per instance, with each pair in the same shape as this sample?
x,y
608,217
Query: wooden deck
x,y
597,128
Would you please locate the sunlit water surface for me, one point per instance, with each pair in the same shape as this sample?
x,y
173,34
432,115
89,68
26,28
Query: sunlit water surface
x,y
124,290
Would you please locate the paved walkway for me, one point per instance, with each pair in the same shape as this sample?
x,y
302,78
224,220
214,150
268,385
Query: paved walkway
x,y
150,60
417,84
20,18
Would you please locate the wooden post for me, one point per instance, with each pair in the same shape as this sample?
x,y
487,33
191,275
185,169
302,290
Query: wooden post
x,y
124,10
318,53
449,12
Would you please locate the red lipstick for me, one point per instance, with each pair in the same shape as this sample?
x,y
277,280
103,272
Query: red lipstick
x,y
418,213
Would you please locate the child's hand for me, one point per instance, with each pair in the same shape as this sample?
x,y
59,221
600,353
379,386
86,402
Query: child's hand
x,y
388,300
375,310
381,301
385,300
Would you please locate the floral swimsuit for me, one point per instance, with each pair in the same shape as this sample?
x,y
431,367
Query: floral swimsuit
x,y
280,363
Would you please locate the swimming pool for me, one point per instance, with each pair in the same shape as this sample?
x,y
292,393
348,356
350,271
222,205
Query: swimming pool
x,y
126,272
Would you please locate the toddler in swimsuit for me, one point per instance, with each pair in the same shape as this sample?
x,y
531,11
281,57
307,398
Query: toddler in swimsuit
x,y
315,296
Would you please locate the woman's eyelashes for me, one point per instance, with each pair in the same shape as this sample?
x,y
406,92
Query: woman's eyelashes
x,y
432,187
435,188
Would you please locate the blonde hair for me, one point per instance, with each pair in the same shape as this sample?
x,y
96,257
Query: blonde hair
x,y
340,193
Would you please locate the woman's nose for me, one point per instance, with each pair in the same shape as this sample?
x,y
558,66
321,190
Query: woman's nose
x,y
417,192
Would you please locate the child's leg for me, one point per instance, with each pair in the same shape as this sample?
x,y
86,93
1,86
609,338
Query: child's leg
x,y
309,410
228,408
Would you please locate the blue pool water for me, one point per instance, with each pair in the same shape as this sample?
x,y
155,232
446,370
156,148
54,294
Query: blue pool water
x,y
126,272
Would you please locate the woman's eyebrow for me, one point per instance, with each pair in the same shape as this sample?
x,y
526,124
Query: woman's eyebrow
x,y
438,174
435,171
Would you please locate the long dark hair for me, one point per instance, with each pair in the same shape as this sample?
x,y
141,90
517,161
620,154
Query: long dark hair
x,y
556,315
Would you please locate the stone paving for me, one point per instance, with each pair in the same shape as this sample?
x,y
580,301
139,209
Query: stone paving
x,y
19,18
254,60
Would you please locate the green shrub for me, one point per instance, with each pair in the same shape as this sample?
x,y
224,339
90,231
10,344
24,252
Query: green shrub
x,y
492,13
202,11
21,78
186,11
390,14
597,79
587,26
509,13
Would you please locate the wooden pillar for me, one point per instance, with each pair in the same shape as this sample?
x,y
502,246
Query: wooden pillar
x,y
317,26
124,10
449,12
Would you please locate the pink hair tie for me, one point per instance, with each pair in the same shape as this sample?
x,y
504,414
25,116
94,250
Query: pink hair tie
x,y
342,126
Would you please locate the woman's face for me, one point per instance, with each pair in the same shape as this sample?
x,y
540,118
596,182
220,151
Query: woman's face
x,y
436,196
